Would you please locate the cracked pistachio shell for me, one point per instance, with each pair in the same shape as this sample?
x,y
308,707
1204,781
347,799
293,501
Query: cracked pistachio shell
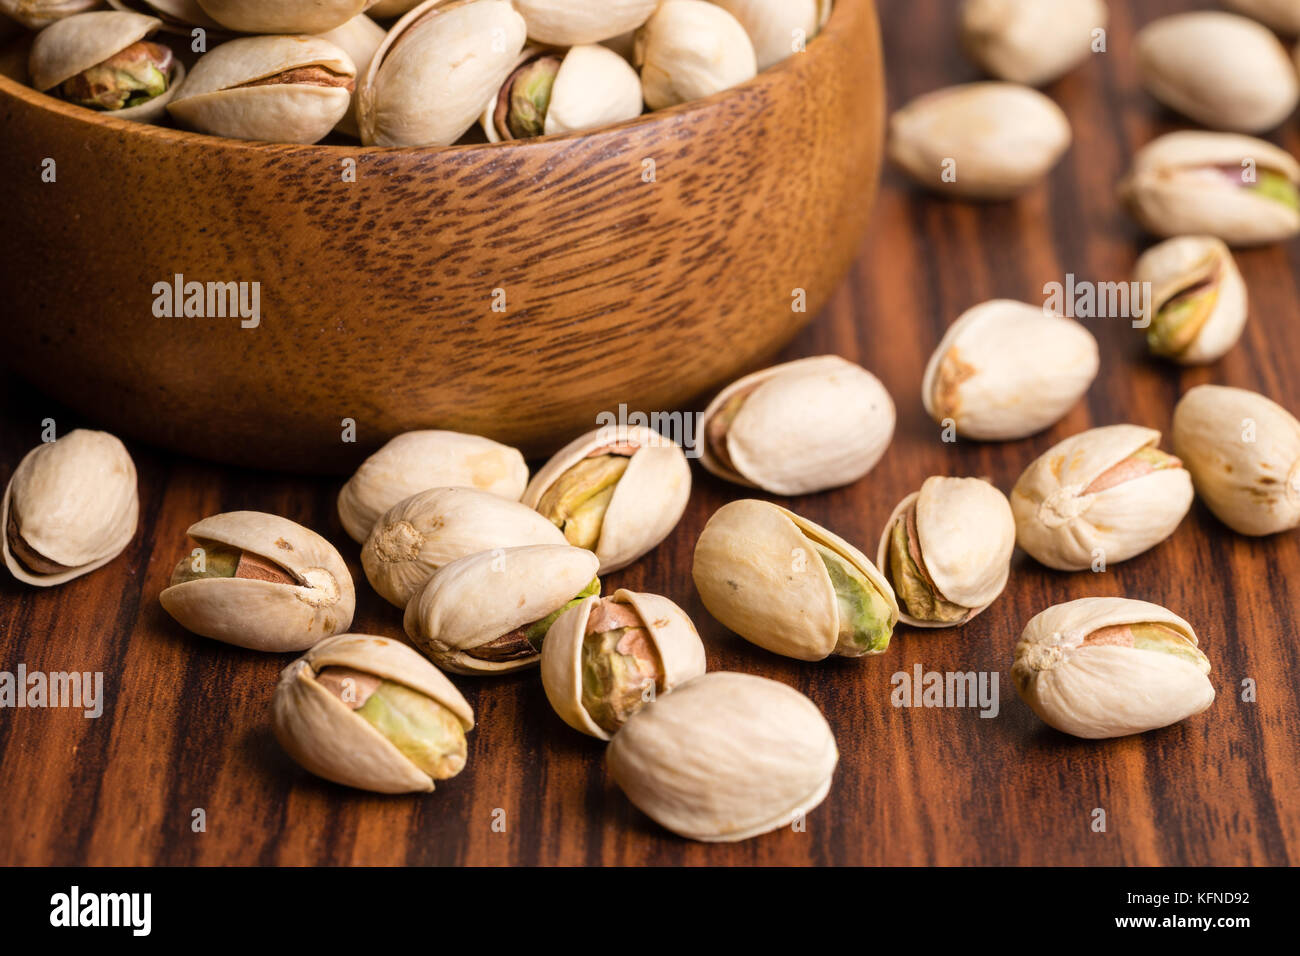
x,y
217,100
778,27
1282,15
324,736
691,49
1203,263
966,534
478,598
419,460
74,503
35,14
360,39
1243,452
676,643
1006,370
573,22
1221,70
420,534
804,426
648,499
758,572
266,615
178,16
1109,688
725,757
283,16
1066,528
439,64
1028,41
1198,183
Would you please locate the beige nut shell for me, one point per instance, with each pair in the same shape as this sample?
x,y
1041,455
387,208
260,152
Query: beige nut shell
x,y
77,504
1028,41
967,535
573,22
676,641
758,573
689,50
324,736
648,500
725,757
416,461
1061,527
283,16
808,425
1022,370
1243,452
1100,691
773,25
360,38
266,615
36,14
1173,266
480,597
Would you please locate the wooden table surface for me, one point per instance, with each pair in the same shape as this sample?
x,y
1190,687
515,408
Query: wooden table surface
x,y
186,720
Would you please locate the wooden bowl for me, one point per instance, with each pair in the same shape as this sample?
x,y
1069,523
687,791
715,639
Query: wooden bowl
x,y
377,296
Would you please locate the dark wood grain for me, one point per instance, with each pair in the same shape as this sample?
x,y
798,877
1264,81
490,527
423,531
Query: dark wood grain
x,y
186,720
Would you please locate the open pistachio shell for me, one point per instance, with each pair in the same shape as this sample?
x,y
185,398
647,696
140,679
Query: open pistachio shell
x,y
1028,41
1006,370
1282,15
419,460
36,14
674,644
646,501
70,507
283,16
1109,667
1243,452
690,49
334,741
725,757
438,66
964,535
263,612
420,534
572,22
774,26
360,38
469,605
1106,493
804,426
1198,302
761,571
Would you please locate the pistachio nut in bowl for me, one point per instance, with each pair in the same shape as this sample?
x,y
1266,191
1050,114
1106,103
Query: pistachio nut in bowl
x,y
1028,41
1198,304
36,14
617,492
1110,667
604,659
800,427
790,586
71,506
689,50
725,757
178,16
946,550
1243,453
371,713
488,613
262,582
360,38
1100,497
778,28
283,16
574,22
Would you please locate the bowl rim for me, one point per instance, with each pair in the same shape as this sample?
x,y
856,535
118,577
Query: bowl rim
x,y
844,14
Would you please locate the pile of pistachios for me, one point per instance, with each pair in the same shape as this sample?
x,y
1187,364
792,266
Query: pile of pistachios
x,y
293,71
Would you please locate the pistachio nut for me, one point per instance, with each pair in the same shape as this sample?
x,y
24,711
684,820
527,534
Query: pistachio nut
x,y
1110,667
1243,452
272,88
488,613
1282,15
790,586
36,14
71,506
262,582
979,140
420,534
606,658
1240,189
384,9
552,91
778,28
371,713
1006,370
438,66
419,460
1198,299
178,16
573,22
946,550
800,427
690,49
360,39
1106,494
618,492
1028,41
102,61
725,757
283,16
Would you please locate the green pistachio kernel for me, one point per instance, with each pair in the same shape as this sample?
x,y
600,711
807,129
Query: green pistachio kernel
x,y
913,586
865,626
1180,320
576,503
